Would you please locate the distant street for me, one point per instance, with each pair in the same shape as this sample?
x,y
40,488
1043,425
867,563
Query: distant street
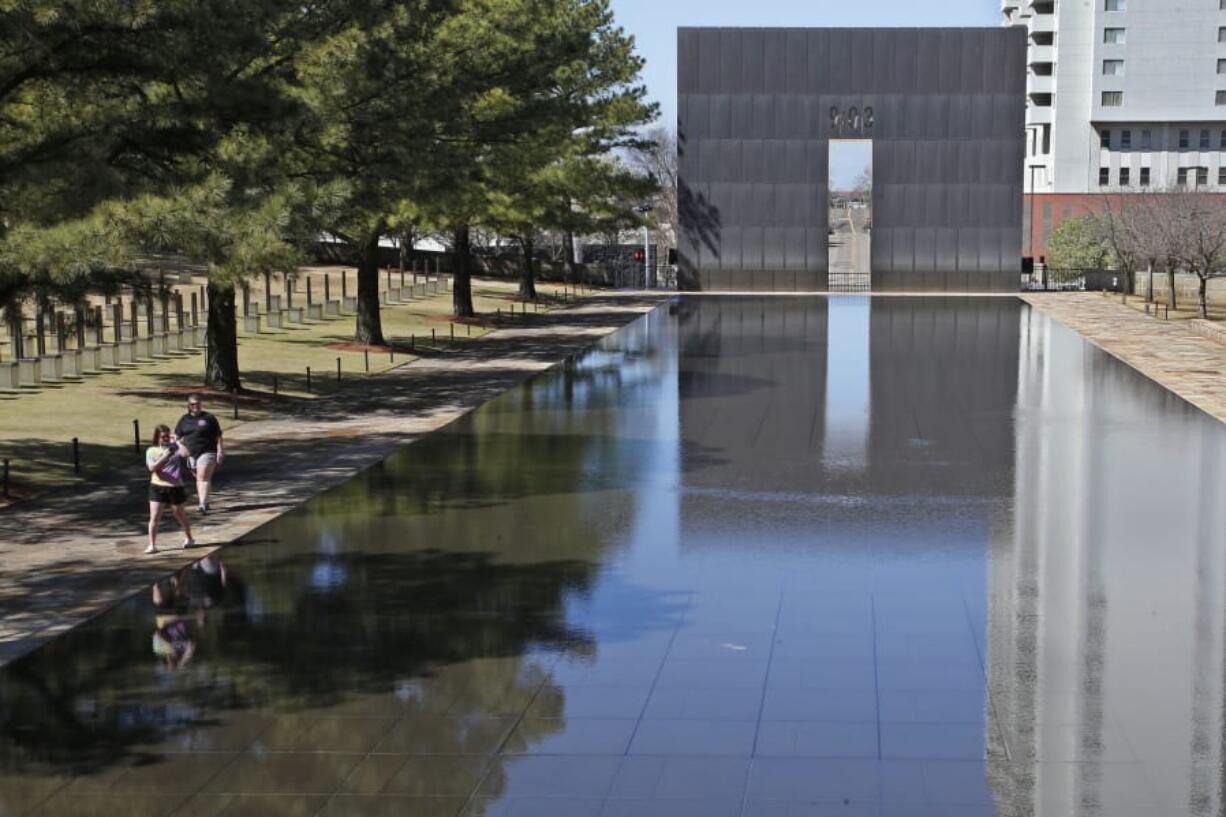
x,y
849,245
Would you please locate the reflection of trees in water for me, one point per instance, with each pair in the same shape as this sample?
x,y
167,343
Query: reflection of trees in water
x,y
422,634
419,590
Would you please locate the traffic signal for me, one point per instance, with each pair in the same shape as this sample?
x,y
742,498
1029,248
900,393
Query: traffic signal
x,y
638,256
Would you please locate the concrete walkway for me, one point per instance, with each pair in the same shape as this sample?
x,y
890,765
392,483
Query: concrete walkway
x,y
69,555
1171,353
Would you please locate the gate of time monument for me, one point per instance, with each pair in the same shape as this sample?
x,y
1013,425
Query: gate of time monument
x,y
757,109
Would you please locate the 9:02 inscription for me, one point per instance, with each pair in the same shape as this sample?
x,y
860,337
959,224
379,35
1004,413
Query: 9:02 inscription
x,y
853,120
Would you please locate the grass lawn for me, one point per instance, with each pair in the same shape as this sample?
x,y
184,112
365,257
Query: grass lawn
x,y
37,424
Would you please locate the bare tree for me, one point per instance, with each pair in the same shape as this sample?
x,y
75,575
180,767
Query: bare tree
x,y
1177,230
1169,225
1205,216
1121,228
862,187
658,159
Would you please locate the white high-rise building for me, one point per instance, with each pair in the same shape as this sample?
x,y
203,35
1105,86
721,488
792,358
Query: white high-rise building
x,y
1121,95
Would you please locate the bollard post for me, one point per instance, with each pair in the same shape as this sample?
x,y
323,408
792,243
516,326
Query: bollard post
x,y
366,359
76,455
338,370
499,318
469,328
234,402
274,384
453,334
136,435
308,379
412,342
6,477
391,355
433,338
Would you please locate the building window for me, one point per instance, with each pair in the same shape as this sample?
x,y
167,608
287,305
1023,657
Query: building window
x,y
1181,177
1221,34
1222,138
1204,139
1221,176
1145,177
1124,174
1221,66
1202,177
1115,68
1113,99
1125,139
1115,36
1147,140
1104,138
1104,176
1221,4
1219,98
1183,139
1114,5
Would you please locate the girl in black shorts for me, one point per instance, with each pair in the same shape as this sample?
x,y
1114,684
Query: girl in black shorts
x,y
165,460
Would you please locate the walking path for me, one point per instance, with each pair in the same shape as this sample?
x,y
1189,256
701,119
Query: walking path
x,y
1172,353
71,554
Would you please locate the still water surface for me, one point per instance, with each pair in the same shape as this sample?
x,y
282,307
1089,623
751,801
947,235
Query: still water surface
x,y
786,557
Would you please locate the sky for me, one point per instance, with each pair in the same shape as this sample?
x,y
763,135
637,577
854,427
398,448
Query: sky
x,y
654,25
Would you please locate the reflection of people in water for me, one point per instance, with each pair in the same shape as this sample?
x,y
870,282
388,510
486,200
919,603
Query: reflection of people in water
x,y
172,639
206,582
189,594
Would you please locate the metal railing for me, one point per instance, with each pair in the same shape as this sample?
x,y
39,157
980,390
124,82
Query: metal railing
x,y
1049,279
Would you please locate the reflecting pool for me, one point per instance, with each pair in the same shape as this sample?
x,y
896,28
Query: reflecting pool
x,y
751,557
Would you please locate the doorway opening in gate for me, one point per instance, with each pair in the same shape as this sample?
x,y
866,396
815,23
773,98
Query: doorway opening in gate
x,y
849,217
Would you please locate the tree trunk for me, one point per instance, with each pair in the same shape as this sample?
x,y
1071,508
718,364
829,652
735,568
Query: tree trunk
x,y
1149,272
12,314
462,289
1202,293
527,280
1170,285
568,243
221,363
369,326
